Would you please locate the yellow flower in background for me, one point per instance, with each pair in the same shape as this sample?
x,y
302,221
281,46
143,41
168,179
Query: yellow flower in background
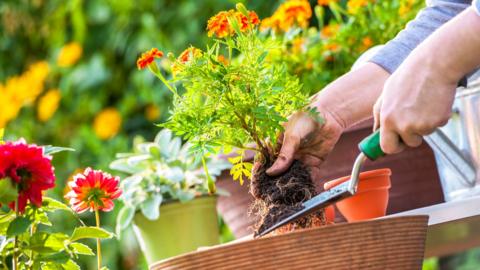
x,y
29,84
152,112
69,54
21,90
48,104
107,123
10,106
289,14
353,6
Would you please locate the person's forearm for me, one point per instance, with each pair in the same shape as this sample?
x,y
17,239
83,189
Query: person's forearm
x,y
456,46
351,97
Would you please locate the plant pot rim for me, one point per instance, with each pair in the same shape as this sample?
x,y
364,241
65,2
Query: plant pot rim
x,y
367,175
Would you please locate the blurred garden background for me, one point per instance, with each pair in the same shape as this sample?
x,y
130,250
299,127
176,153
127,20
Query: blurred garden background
x,y
68,75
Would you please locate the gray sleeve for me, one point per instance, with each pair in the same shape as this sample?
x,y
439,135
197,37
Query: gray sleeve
x,y
430,18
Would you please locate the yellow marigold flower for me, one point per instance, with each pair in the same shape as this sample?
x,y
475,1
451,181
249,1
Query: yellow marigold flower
x,y
10,106
353,6
289,14
330,30
69,54
152,112
48,104
107,123
325,2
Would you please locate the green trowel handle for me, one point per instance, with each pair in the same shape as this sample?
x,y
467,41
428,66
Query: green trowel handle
x,y
370,146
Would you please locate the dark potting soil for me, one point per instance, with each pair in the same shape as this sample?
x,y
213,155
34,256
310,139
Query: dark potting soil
x,y
281,196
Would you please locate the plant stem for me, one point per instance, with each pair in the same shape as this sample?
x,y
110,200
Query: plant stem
x,y
99,250
159,75
15,241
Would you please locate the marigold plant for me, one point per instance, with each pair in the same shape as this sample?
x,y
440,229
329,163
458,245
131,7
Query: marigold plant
x,y
227,106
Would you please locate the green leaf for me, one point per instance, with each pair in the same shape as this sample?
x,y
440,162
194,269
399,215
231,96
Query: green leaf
x,y
89,232
125,217
50,150
262,57
59,257
151,207
18,226
82,249
51,205
71,265
47,243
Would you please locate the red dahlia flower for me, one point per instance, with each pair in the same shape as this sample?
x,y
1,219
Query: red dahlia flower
x,y
93,190
29,169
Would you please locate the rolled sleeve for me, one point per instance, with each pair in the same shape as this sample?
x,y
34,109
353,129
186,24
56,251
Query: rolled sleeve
x,y
427,21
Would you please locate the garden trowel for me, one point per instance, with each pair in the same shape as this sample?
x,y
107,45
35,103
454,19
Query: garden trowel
x,y
369,148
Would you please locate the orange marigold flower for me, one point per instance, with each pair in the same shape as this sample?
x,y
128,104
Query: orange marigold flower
x,y
290,13
148,57
189,54
333,47
93,190
330,30
222,59
246,22
325,2
219,25
367,42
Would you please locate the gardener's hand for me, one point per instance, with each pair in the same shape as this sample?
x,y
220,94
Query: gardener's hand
x,y
418,97
307,140
413,104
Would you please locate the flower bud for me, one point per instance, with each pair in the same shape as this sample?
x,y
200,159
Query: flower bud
x,y
240,7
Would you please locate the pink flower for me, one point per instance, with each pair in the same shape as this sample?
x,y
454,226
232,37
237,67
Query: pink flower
x,y
93,190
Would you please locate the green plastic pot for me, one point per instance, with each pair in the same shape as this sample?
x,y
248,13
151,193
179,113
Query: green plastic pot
x,y
181,227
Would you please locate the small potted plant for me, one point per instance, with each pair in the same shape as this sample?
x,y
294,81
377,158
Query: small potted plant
x,y
233,96
165,196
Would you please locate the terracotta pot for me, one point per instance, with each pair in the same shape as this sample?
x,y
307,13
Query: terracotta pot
x,y
390,243
371,199
414,174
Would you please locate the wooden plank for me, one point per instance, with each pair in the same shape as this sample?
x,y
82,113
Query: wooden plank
x,y
391,243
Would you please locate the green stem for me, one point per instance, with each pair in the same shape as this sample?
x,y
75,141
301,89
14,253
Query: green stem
x,y
99,250
15,241
159,75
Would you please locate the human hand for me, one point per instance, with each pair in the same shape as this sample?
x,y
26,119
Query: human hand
x,y
415,100
308,141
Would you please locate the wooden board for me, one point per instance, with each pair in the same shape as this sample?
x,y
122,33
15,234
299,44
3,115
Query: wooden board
x,y
390,243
